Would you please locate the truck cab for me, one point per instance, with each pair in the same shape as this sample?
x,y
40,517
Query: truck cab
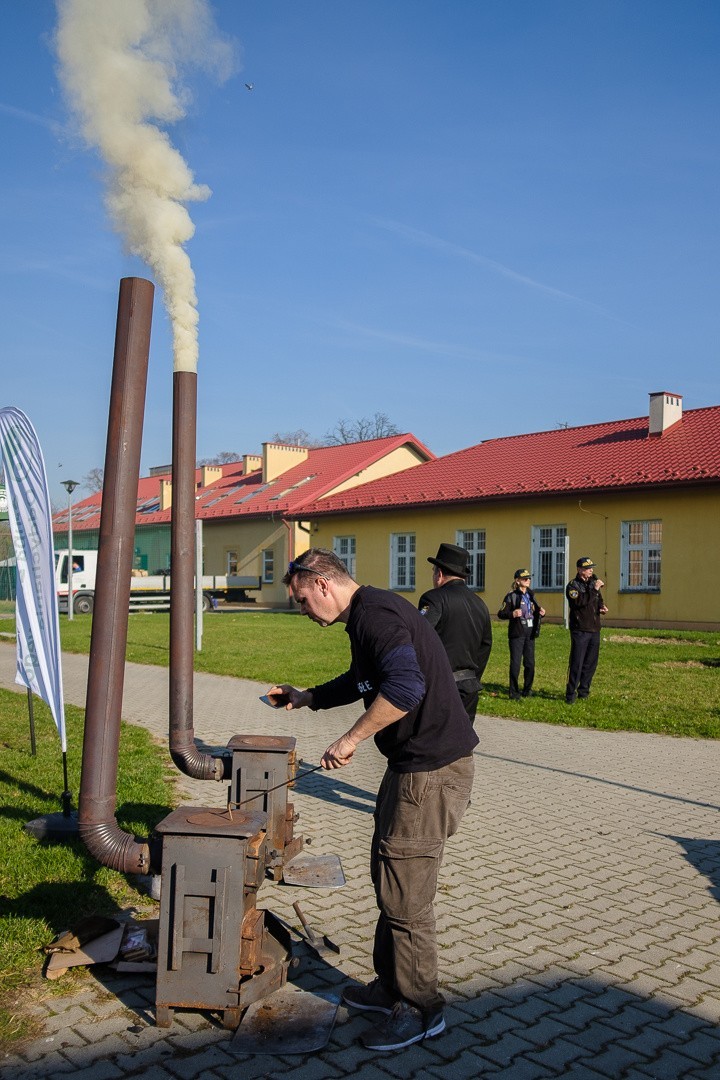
x,y
84,566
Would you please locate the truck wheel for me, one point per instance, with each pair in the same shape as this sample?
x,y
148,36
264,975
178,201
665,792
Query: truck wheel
x,y
83,605
207,604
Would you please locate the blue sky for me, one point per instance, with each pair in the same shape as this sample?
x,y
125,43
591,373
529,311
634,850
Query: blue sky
x,y
480,217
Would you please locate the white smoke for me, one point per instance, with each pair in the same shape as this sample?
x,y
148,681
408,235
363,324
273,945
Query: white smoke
x,y
120,64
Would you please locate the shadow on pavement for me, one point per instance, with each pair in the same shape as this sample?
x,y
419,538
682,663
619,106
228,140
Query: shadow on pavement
x,y
598,780
551,1025
328,787
704,855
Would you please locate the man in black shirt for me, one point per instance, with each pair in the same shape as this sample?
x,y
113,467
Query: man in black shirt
x,y
462,621
400,670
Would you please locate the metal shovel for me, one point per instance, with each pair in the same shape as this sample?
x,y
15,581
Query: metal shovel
x,y
319,943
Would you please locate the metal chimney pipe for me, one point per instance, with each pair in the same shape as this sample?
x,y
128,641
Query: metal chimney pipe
x,y
183,750
99,830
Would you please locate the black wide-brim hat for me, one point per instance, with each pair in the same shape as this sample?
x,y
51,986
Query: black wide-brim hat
x,y
452,559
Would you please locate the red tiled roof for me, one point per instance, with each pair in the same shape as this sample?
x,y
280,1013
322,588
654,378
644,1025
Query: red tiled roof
x,y
616,455
236,496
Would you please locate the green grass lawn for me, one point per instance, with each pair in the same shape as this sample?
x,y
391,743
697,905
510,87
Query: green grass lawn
x,y
647,680
45,886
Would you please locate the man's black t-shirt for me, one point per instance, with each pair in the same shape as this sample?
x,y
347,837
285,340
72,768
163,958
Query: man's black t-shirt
x,y
395,652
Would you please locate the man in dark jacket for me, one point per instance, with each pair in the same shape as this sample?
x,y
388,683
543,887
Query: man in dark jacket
x,y
586,606
523,613
461,620
400,670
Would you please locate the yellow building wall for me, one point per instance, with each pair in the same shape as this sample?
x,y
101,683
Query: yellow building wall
x,y
249,539
691,526
397,461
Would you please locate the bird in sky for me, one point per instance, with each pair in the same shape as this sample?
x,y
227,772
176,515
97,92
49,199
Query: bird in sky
x,y
249,86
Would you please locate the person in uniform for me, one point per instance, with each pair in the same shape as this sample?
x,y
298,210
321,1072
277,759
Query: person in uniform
x,y
586,606
523,613
401,672
462,622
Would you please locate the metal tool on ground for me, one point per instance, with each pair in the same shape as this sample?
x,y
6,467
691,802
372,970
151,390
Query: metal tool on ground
x,y
319,943
290,1021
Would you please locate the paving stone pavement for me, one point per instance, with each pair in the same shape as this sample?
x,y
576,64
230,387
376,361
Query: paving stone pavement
x,y
578,915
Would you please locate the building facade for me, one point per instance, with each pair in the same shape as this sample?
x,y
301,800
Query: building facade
x,y
640,496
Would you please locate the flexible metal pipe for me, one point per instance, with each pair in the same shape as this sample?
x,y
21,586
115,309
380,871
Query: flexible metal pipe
x,y
99,830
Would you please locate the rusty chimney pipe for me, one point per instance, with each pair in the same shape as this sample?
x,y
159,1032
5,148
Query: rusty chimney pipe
x,y
99,830
183,750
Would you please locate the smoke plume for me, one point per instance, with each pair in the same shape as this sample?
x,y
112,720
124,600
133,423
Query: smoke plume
x,y
120,65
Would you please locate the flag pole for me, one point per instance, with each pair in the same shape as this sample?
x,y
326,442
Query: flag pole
x,y
66,797
31,715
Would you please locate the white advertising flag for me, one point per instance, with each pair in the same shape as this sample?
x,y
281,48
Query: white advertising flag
x,y
38,626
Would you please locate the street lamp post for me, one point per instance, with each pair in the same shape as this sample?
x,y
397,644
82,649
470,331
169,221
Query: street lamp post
x,y
70,486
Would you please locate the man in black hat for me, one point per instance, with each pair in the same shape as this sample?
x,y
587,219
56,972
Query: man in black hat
x,y
523,613
461,620
586,606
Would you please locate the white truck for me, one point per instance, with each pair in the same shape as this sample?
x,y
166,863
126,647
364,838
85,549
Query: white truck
x,y
147,592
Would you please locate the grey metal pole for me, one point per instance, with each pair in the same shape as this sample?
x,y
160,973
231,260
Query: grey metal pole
x,y
70,486
71,613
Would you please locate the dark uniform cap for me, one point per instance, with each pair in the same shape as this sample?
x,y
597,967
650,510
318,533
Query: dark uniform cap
x,y
452,559
585,563
522,573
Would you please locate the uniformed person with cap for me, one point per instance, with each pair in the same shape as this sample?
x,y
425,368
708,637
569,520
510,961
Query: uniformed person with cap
x,y
523,613
462,621
586,606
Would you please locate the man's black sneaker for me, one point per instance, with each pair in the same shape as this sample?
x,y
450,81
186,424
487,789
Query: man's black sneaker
x,y
404,1026
372,998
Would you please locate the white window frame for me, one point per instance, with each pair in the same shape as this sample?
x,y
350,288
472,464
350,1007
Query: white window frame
x,y
344,548
231,560
548,557
402,561
268,566
640,556
473,540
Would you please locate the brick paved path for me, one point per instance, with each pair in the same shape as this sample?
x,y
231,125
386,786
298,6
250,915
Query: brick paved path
x,y
578,911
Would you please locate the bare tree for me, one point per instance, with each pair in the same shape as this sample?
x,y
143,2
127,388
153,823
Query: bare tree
x,y
93,480
378,426
299,437
224,457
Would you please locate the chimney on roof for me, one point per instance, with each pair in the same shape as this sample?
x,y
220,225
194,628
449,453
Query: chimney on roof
x,y
165,494
278,458
209,474
665,410
251,462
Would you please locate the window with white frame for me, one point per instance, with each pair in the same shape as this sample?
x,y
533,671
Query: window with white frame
x,y
232,563
268,566
641,555
402,561
344,548
548,556
473,540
